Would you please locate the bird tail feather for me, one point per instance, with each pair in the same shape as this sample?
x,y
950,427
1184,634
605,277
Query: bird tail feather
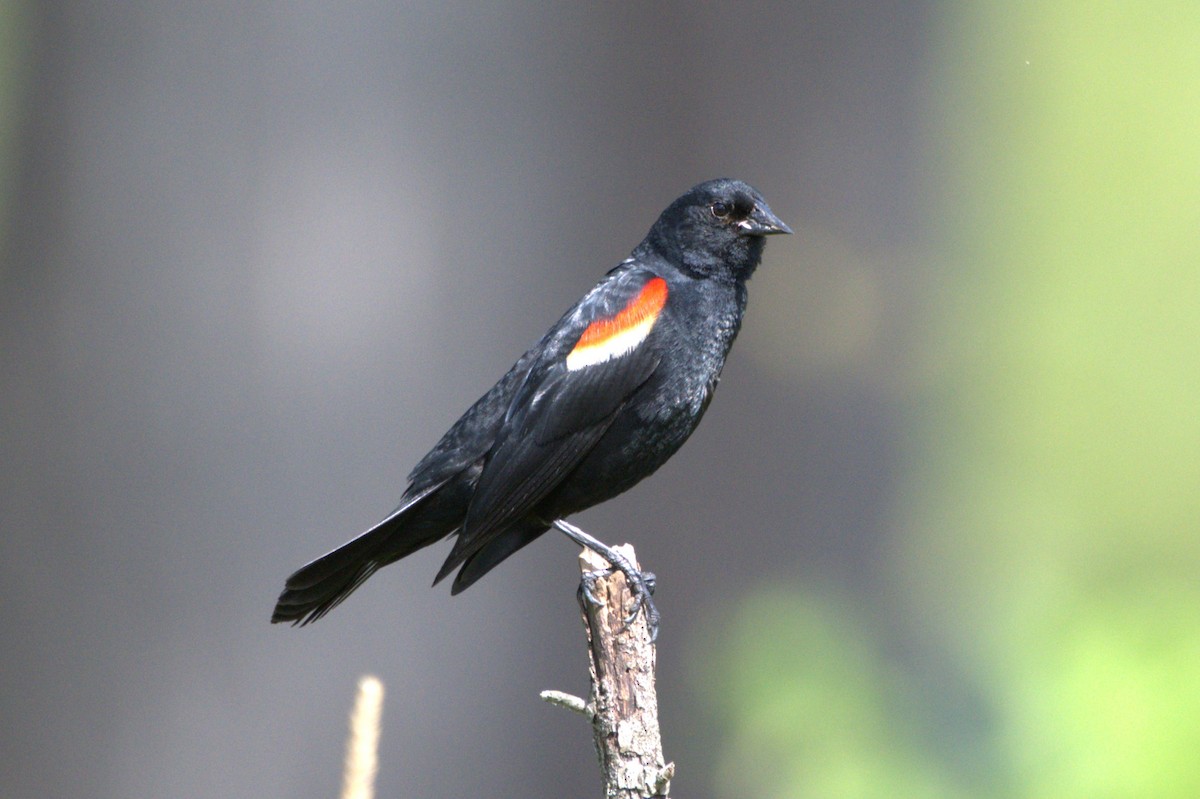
x,y
318,587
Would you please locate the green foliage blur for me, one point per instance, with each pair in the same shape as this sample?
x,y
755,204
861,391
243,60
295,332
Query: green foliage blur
x,y
1045,561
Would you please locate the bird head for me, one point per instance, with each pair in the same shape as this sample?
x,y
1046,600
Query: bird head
x,y
716,229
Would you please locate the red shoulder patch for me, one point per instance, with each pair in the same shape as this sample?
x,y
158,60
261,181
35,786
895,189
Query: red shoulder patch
x,y
616,335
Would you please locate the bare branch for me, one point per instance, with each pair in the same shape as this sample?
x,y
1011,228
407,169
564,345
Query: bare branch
x,y
623,700
568,702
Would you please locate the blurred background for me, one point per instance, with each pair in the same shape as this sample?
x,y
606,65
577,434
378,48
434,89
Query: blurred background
x,y
939,535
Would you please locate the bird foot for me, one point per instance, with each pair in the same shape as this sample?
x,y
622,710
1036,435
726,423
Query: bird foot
x,y
641,584
587,586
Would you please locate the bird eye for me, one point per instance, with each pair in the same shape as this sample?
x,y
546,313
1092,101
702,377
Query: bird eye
x,y
719,210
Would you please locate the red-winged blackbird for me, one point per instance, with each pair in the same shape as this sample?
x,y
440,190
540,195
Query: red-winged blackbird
x,y
605,398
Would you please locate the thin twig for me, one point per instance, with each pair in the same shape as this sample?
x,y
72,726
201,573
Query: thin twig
x,y
568,702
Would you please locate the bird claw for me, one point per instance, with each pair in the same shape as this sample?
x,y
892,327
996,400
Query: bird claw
x,y
651,581
641,587
587,586
641,584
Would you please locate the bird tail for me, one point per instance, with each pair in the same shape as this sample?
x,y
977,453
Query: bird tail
x,y
319,587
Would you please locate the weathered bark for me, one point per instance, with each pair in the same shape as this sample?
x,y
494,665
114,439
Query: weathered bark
x,y
622,706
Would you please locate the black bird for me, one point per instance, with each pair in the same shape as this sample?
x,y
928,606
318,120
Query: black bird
x,y
605,398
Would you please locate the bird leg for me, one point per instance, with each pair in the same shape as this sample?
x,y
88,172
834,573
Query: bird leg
x,y
641,583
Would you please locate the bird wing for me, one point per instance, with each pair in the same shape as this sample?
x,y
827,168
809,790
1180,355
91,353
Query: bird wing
x,y
470,438
589,365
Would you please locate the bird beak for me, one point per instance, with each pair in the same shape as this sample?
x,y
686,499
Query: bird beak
x,y
762,222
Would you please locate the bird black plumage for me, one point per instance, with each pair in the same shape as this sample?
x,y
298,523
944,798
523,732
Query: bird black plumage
x,y
611,391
